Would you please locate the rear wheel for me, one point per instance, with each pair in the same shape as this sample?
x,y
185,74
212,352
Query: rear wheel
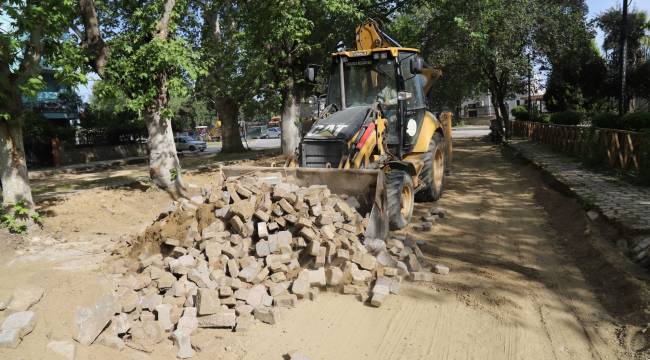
x,y
432,175
399,190
192,148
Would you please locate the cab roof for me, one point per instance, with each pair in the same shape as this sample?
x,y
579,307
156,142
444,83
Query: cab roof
x,y
358,53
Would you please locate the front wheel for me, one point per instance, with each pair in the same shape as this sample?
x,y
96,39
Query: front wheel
x,y
192,148
399,190
432,175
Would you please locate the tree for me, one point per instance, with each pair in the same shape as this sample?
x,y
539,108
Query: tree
x,y
291,35
34,35
146,59
230,80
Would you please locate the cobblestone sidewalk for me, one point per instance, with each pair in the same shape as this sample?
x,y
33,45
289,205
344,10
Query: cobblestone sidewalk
x,y
621,202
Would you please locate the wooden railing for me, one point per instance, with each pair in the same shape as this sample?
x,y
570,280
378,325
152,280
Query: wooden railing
x,y
619,148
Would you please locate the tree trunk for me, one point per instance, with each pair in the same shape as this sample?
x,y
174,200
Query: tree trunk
x,y
505,115
13,165
290,115
164,167
230,137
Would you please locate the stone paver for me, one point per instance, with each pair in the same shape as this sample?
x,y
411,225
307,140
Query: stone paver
x,y
619,201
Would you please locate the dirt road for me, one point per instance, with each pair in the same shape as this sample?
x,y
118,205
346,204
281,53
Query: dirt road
x,y
516,290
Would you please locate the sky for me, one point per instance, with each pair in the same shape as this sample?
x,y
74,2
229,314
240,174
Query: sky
x,y
596,7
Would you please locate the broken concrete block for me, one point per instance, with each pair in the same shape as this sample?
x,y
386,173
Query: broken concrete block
x,y
129,300
165,281
413,263
244,209
63,349
317,277
262,248
188,320
262,231
15,327
208,302
24,297
145,335
267,315
164,316
421,276
90,321
441,269
182,339
256,295
120,323
378,299
149,302
334,276
263,216
223,319
300,285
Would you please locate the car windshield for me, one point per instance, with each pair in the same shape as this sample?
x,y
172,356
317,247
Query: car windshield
x,y
366,80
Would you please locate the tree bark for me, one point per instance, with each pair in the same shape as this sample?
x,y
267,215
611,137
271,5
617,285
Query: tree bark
x,y
230,137
13,165
164,166
92,40
290,115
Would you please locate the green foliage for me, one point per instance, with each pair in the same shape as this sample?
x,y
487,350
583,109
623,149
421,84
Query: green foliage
x,y
567,118
635,121
520,113
606,120
17,217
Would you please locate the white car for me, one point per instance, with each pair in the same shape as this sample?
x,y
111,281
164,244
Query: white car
x,y
187,143
273,133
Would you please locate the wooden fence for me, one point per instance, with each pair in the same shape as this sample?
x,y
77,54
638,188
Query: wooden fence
x,y
620,149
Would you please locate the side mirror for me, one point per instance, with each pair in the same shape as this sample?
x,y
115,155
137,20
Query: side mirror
x,y
310,74
417,64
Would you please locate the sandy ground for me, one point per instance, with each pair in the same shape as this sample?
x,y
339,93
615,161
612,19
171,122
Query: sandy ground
x,y
530,278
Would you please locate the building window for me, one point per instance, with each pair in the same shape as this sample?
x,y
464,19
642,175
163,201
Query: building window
x,y
518,102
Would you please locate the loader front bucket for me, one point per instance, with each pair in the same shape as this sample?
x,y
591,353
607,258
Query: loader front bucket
x,y
367,186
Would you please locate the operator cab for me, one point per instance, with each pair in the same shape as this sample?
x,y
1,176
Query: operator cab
x,y
386,77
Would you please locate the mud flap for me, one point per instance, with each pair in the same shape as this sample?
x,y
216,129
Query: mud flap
x,y
367,186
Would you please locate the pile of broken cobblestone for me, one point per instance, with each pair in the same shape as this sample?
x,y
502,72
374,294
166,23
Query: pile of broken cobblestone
x,y
238,253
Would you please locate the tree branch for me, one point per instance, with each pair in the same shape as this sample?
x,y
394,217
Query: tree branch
x,y
92,39
162,29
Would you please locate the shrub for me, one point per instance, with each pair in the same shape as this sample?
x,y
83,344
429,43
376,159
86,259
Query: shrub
x,y
520,113
606,120
567,118
636,121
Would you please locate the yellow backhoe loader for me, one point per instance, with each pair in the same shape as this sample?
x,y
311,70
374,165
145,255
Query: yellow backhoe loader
x,y
375,139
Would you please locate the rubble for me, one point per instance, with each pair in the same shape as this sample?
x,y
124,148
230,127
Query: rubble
x,y
15,327
24,298
246,249
90,322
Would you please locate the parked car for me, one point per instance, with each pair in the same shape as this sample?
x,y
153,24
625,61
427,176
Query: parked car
x,y
273,133
187,143
256,132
